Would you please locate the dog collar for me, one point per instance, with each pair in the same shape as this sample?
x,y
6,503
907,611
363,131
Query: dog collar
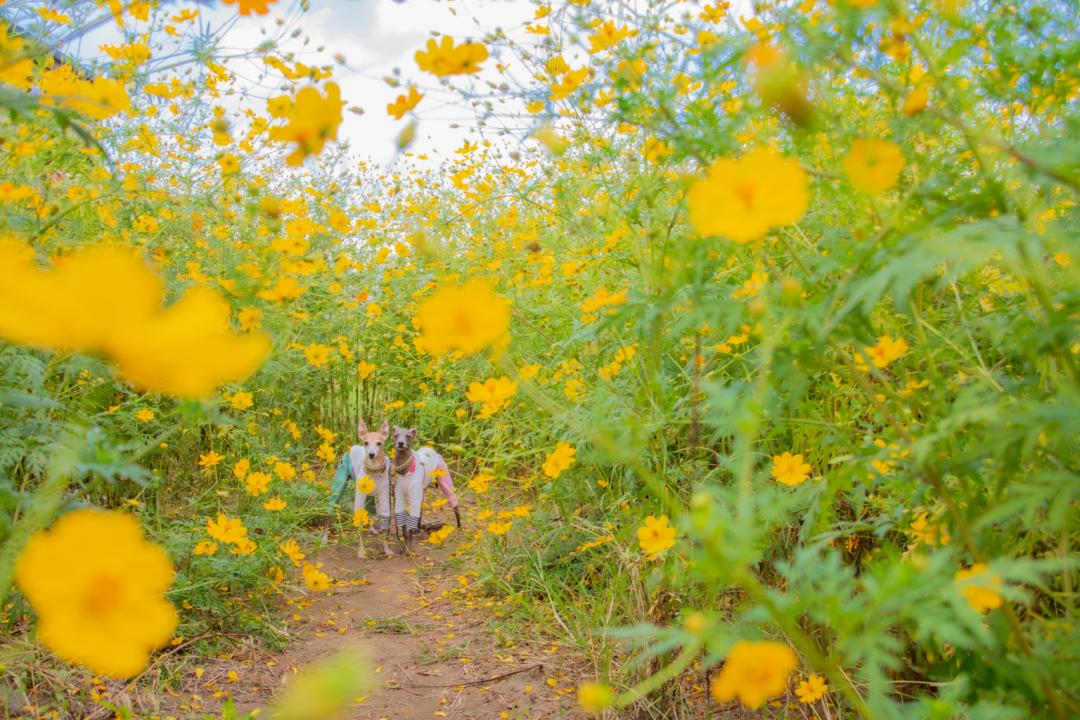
x,y
412,466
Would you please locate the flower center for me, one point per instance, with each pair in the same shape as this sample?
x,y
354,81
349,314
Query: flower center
x,y
103,595
745,191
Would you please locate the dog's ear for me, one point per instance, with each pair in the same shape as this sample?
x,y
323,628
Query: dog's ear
x,y
412,433
361,429
385,429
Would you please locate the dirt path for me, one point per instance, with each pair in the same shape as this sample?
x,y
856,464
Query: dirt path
x,y
432,639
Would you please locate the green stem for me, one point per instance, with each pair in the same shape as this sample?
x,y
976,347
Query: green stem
x,y
646,686
43,506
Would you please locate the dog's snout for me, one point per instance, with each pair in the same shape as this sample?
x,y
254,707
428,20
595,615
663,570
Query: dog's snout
x,y
401,445
371,455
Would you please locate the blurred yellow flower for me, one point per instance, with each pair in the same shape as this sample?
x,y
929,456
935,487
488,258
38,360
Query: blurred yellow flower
x,y
146,415
365,485
873,166
444,58
754,672
97,587
105,299
274,504
466,318
313,119
241,400
364,369
560,459
404,103
247,7
594,697
980,587
499,527
741,199
493,393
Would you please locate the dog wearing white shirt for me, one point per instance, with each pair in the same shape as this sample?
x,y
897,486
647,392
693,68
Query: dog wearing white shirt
x,y
369,459
412,472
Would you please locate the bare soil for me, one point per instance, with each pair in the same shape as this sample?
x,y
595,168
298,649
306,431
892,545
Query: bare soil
x,y
431,637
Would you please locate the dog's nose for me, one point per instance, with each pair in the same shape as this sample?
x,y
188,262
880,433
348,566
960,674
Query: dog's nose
x,y
401,445
371,455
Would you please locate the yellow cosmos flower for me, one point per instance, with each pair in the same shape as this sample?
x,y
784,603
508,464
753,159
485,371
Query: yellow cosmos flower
x,y
292,551
210,459
229,164
560,459
205,547
607,35
466,318
439,536
873,166
656,535
226,530
754,672
274,504
364,369
241,400
493,393
884,353
314,578
365,485
317,354
284,470
812,689
499,527
404,103
361,518
313,119
145,415
742,199
97,587
99,98
790,469
980,588
105,299
241,468
247,7
444,58
257,483
480,483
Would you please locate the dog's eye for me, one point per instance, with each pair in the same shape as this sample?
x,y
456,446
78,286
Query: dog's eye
x,y
379,443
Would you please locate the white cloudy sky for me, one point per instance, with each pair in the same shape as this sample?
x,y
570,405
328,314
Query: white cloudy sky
x,y
377,38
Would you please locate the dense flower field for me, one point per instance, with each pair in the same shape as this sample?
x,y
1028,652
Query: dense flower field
x,y
757,360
